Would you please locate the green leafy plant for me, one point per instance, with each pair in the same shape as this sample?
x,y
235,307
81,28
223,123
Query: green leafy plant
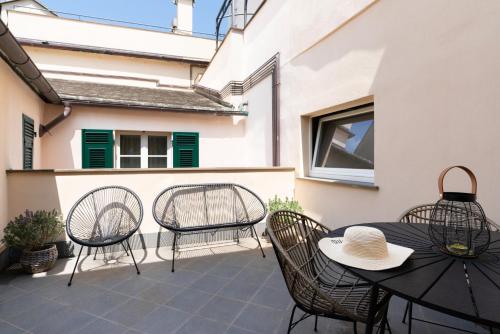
x,y
276,203
33,230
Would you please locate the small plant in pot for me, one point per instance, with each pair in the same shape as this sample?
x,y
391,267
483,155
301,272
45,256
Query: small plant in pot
x,y
276,204
34,233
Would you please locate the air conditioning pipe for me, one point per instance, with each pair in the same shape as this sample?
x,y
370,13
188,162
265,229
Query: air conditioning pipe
x,y
61,117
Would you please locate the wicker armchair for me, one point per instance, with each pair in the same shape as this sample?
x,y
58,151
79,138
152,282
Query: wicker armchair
x,y
421,214
318,285
103,217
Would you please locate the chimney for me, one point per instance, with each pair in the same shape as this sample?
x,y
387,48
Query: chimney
x,y
183,22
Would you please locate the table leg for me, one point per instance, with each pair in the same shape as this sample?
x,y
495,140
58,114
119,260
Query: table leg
x,y
372,311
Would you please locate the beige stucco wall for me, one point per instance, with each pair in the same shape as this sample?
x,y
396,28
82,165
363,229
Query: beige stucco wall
x,y
110,69
16,99
72,31
225,141
61,189
432,68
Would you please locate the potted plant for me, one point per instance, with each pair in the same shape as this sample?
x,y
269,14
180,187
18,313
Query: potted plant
x,y
276,204
32,233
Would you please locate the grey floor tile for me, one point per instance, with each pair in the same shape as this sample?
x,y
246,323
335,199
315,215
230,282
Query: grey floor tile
x,y
106,278
201,265
134,285
5,328
33,317
9,292
237,330
259,318
276,280
210,283
64,321
96,304
162,320
253,275
130,312
239,289
221,309
225,270
20,304
198,325
182,277
31,283
190,300
67,294
102,326
158,273
275,298
159,293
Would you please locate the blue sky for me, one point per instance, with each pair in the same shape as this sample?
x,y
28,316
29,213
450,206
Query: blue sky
x,y
154,12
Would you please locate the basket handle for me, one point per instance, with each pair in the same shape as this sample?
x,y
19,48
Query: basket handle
x,y
472,177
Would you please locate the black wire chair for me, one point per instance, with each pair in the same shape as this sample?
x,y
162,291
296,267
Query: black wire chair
x,y
421,214
105,216
214,207
318,285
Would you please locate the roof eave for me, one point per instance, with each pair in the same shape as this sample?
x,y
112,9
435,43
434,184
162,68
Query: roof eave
x,y
92,101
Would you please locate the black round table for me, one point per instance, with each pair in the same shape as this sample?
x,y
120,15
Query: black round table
x,y
465,288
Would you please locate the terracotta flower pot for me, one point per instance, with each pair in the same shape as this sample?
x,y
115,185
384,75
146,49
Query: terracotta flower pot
x,y
38,261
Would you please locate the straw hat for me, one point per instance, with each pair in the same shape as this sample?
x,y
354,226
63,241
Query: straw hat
x,y
365,248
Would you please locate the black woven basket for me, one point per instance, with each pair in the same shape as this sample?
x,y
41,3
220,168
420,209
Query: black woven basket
x,y
38,261
458,225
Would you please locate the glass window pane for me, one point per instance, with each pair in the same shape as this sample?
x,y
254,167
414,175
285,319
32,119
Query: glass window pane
x,y
130,162
157,145
346,143
130,145
157,162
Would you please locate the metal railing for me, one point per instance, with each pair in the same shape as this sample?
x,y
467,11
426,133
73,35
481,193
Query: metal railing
x,y
223,14
121,23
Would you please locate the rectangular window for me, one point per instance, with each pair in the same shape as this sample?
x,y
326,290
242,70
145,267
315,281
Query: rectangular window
x,y
145,150
343,145
28,137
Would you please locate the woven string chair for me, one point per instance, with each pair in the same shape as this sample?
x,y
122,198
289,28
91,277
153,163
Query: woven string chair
x,y
201,208
318,285
421,214
103,217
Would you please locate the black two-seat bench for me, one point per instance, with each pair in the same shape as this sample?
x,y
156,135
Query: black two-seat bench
x,y
198,208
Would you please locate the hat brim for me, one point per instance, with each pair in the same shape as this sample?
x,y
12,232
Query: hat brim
x,y
397,255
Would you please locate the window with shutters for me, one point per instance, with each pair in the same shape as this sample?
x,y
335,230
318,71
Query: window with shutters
x,y
28,137
97,148
186,149
143,150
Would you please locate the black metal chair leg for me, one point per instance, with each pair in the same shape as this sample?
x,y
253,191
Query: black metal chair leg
x,y
372,311
77,259
316,323
257,237
383,322
291,319
125,248
95,254
406,312
173,252
132,253
410,316
355,327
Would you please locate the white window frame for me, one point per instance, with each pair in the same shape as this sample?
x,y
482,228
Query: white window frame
x,y
144,147
342,174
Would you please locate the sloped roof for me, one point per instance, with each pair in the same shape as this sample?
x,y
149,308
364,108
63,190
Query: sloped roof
x,y
82,92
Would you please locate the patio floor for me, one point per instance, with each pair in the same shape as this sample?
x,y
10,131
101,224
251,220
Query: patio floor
x,y
229,289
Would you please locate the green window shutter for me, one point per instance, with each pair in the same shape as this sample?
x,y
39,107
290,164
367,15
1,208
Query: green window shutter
x,y
186,149
97,149
28,136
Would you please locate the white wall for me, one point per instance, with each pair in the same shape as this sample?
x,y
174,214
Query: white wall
x,y
16,99
433,70
71,31
225,141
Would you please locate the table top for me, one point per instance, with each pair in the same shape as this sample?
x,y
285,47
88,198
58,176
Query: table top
x,y
466,288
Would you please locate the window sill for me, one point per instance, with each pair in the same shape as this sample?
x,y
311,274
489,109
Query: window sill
x,y
354,184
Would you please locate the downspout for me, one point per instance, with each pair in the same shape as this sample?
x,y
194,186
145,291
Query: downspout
x,y
61,117
276,111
